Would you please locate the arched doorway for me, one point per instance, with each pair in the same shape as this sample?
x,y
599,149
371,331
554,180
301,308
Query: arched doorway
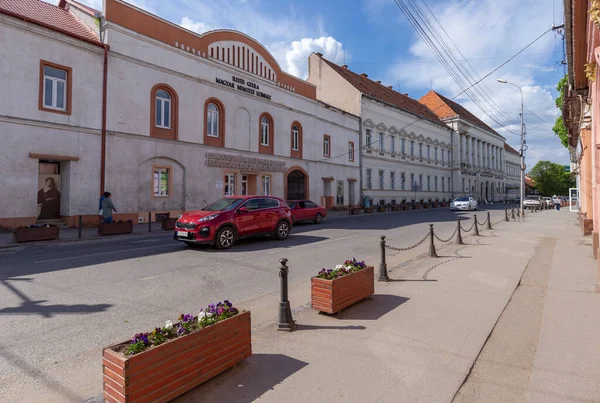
x,y
296,184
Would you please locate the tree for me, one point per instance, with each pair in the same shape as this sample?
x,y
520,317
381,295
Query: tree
x,y
551,179
559,126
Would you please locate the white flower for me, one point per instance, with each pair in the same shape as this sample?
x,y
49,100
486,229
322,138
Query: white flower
x,y
339,266
202,315
169,325
349,267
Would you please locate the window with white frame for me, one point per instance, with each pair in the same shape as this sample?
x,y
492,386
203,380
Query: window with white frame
x,y
326,146
412,181
393,144
350,151
381,173
428,182
369,179
55,88
266,185
368,139
436,153
449,156
264,131
420,150
380,141
412,148
161,182
402,181
421,181
403,145
443,156
229,184
163,109
213,120
435,184
393,180
443,184
295,138
428,152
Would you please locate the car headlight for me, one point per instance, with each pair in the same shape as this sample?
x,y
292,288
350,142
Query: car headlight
x,y
208,218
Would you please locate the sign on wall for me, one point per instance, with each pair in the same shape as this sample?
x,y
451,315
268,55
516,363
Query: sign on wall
x,y
245,163
246,86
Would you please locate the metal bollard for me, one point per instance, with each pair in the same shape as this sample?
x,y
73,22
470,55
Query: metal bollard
x,y
506,215
383,274
519,212
475,225
149,221
432,251
489,221
459,236
285,322
79,226
512,211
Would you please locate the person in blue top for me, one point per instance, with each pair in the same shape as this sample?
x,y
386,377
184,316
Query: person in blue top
x,y
100,203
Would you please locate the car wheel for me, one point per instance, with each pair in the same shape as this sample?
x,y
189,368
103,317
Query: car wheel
x,y
225,238
318,218
282,231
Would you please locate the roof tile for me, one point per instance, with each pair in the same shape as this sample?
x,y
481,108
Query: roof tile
x,y
384,94
48,15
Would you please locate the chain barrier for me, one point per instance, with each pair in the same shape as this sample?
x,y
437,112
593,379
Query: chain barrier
x,y
467,230
458,256
408,248
482,223
446,240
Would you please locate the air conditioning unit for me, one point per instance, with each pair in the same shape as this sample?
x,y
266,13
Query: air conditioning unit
x,y
140,220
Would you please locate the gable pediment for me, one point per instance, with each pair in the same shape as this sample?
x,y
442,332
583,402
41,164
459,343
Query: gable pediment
x,y
381,127
393,130
369,124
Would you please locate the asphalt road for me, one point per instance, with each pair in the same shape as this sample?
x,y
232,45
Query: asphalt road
x,y
61,303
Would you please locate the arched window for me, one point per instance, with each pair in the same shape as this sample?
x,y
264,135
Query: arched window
x,y
264,131
296,140
163,112
212,123
265,134
163,109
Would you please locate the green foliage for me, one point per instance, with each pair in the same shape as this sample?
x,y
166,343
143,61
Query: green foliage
x,y
551,179
559,126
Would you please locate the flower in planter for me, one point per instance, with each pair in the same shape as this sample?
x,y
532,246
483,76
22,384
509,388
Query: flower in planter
x,y
169,325
349,267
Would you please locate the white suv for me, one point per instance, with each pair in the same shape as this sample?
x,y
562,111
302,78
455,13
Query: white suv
x,y
532,202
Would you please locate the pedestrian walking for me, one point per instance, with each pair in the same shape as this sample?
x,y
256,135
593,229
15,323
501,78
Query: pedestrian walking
x,y
107,208
100,203
557,203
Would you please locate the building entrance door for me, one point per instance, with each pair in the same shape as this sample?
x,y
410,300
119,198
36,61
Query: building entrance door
x,y
296,186
48,198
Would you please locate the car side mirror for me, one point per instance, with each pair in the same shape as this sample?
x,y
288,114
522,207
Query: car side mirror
x,y
243,210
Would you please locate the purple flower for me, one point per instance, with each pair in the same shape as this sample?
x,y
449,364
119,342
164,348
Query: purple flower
x,y
180,330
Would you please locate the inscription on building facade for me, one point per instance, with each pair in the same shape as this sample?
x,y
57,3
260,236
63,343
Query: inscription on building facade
x,y
244,163
243,85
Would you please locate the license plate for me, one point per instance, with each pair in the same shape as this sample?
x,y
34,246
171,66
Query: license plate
x,y
182,233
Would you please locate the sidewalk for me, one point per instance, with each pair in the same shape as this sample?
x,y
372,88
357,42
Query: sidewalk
x,y
418,337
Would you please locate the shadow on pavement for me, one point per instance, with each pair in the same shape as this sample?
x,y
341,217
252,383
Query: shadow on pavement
x,y
247,382
372,308
264,243
314,327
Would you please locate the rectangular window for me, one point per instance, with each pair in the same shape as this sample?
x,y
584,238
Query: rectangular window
x,y
229,184
436,154
381,179
442,156
463,184
55,87
161,182
420,150
351,151
443,184
266,185
381,141
428,152
435,184
326,146
393,144
412,148
368,139
421,182
428,182
295,139
402,181
449,156
393,180
412,182
369,179
403,145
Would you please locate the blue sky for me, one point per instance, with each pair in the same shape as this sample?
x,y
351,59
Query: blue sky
x,y
374,37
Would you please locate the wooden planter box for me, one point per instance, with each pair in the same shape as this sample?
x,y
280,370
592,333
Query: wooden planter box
x,y
168,224
405,207
35,234
331,296
395,208
115,228
356,211
436,205
426,205
418,206
370,210
164,372
381,209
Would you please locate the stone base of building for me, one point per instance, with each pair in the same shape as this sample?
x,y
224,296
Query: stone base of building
x,y
586,224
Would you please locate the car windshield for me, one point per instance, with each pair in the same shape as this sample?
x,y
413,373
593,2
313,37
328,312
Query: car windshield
x,y
531,198
223,204
292,204
459,199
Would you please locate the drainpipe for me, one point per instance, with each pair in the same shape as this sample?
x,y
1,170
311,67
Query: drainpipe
x,y
452,165
360,151
104,96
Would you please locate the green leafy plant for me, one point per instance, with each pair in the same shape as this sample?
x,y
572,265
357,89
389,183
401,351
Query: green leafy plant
x,y
559,126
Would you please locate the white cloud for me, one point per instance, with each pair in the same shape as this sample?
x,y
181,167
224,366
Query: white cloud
x,y
198,27
296,58
484,30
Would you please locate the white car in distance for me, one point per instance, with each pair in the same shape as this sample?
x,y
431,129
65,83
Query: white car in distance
x,y
463,203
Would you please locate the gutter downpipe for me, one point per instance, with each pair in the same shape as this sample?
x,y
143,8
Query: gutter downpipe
x,y
360,152
104,96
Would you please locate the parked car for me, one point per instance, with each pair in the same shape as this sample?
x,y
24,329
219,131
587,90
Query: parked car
x,y
306,210
549,201
532,202
463,203
231,218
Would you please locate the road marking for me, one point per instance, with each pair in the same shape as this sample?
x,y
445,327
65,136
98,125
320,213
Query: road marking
x,y
310,244
102,253
159,275
148,240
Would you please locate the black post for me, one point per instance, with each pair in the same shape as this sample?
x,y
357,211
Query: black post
x,y
506,215
489,221
512,213
475,225
285,321
79,226
459,236
383,274
149,221
432,251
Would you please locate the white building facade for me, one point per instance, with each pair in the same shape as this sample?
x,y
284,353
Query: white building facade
x,y
512,174
187,119
406,151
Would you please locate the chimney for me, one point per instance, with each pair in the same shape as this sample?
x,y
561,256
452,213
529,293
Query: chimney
x,y
365,75
405,94
390,87
378,81
345,66
319,54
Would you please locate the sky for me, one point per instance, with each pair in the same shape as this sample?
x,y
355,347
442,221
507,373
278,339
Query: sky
x,y
375,37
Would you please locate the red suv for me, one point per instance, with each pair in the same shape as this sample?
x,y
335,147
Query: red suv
x,y
229,219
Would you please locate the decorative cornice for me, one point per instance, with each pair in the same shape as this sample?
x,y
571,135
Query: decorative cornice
x,y
590,68
594,12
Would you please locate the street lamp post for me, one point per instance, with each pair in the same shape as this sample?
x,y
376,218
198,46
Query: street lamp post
x,y
523,148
